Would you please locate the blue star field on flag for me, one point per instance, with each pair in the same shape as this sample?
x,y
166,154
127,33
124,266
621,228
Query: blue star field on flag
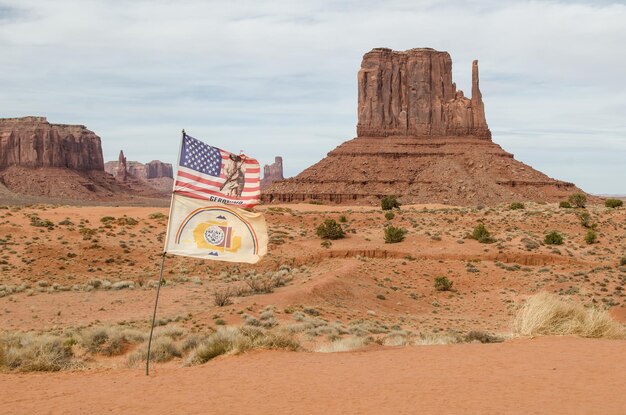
x,y
200,157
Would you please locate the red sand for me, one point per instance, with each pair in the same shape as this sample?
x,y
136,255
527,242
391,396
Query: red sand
x,y
528,376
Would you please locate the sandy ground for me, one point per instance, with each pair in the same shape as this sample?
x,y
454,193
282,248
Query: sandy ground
x,y
528,376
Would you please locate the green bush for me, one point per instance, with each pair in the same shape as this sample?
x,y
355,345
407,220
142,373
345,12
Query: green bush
x,y
553,238
343,219
565,205
516,206
613,203
389,215
578,200
330,229
389,202
482,235
443,284
591,236
585,219
394,234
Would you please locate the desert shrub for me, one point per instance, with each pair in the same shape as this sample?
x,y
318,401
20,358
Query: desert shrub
x,y
343,219
127,221
482,235
108,341
221,298
394,234
35,353
389,202
163,349
585,219
482,337
443,284
578,200
236,340
516,206
107,219
389,215
565,205
553,238
157,216
622,261
330,229
547,314
591,237
613,203
343,345
41,223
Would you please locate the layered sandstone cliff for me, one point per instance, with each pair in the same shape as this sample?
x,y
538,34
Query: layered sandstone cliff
x,y
33,142
411,93
419,138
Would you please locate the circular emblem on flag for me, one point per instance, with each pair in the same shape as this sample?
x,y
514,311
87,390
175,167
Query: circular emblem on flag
x,y
214,235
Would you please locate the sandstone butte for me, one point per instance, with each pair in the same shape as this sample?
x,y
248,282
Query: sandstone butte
x,y
419,138
272,172
156,174
38,158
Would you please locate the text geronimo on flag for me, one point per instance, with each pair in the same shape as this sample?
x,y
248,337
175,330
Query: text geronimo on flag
x,y
213,174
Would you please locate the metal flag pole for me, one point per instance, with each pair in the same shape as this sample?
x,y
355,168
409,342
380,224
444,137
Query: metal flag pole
x,y
167,231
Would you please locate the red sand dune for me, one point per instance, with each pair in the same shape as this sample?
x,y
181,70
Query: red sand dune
x,y
528,376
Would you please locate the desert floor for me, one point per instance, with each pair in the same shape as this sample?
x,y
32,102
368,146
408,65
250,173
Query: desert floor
x,y
67,269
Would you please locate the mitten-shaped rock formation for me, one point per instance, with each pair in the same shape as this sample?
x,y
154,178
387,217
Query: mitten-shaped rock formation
x,y
412,94
33,142
419,138
272,172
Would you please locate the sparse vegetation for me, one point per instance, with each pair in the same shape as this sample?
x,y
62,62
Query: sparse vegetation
x,y
565,205
394,234
443,284
613,203
591,237
389,215
548,315
578,200
389,203
585,219
222,297
516,206
553,238
482,235
330,229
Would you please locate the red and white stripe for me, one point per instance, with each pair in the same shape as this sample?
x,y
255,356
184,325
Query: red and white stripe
x,y
192,183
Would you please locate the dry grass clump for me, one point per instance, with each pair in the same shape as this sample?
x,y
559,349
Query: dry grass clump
x,y
546,314
343,345
109,341
228,340
163,349
29,352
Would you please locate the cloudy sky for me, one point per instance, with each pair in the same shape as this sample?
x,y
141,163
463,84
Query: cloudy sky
x,y
279,77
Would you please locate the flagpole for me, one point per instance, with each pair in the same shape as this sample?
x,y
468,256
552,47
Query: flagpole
x,y
167,230
156,301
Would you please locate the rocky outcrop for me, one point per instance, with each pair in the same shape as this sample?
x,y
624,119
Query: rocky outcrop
x,y
33,142
155,174
418,138
121,172
272,172
411,93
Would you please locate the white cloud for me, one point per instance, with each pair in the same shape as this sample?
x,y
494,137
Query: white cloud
x,y
279,77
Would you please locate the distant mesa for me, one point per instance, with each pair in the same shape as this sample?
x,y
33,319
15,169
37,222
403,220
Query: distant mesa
x,y
156,174
272,172
59,161
419,138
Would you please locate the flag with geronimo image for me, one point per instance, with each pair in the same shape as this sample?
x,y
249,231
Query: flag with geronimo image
x,y
213,174
205,220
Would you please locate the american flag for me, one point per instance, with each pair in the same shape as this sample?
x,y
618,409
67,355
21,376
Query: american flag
x,y
210,173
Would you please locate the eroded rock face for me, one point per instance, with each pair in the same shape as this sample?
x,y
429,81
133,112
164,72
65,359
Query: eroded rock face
x,y
411,93
121,173
155,174
272,172
421,139
34,143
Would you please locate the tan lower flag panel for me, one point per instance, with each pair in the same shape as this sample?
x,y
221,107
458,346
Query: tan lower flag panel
x,y
201,229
